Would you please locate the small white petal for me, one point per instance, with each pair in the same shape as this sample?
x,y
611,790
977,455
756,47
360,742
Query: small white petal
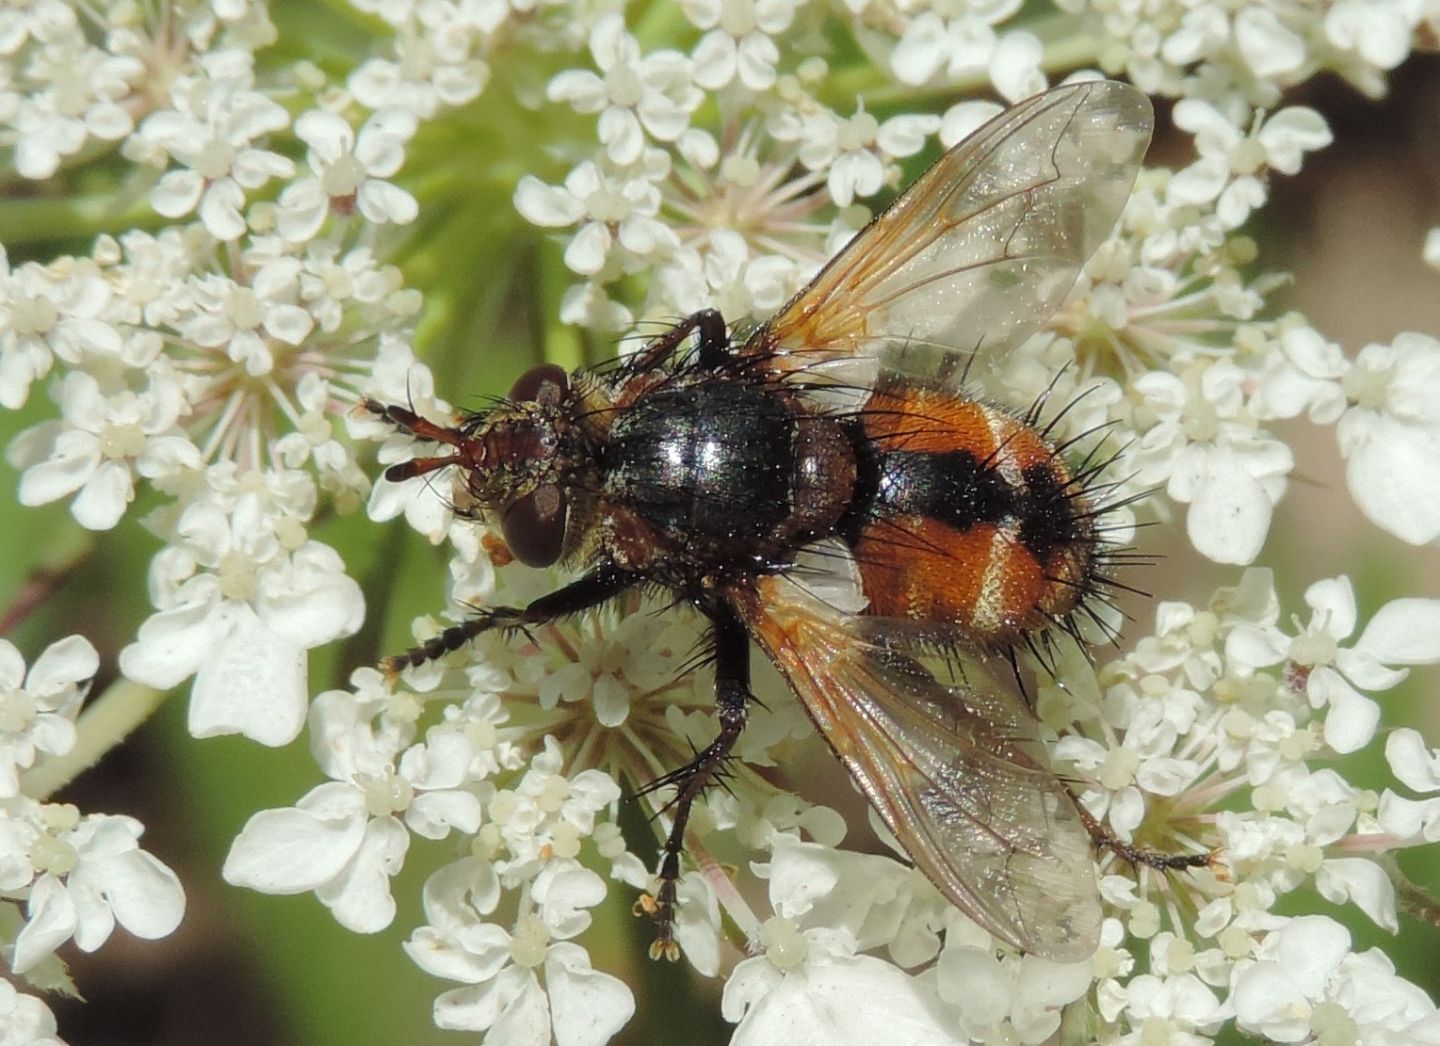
x,y
757,59
1269,47
961,119
360,895
619,131
588,1007
303,208
1362,881
69,465
383,202
1393,472
1292,132
1268,1002
253,683
1411,761
51,920
547,206
1311,947
326,133
1352,719
525,1018
172,644
316,603
176,194
63,663
1406,818
294,850
587,251
146,896
220,210
580,87
435,814
858,1001
103,500
716,58
1015,65
1404,632
1230,514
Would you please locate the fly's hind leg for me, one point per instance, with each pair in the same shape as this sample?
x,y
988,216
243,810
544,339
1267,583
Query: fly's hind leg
x,y
732,696
1140,856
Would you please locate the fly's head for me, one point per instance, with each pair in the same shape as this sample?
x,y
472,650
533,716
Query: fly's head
x,y
517,459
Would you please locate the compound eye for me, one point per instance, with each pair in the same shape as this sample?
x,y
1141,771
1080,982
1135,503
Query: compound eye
x,y
546,384
534,526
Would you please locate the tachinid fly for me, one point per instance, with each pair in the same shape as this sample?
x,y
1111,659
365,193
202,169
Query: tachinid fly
x,y
826,488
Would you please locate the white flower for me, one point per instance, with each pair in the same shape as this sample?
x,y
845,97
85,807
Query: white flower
x,y
25,1020
615,208
61,91
1268,46
738,44
438,55
1212,457
399,379
526,984
951,45
1416,766
1231,170
211,130
92,452
932,47
1304,375
812,986
248,322
854,150
349,172
38,708
345,840
1307,982
80,876
1181,1007
546,812
1020,993
811,982
721,273
1403,632
57,311
635,94
239,611
1379,33
1391,436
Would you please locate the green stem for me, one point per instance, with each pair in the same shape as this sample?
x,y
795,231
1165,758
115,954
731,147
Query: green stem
x,y
1069,50
69,548
1412,899
104,724
48,219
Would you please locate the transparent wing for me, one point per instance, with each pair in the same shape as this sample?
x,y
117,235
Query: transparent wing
x,y
953,767
983,247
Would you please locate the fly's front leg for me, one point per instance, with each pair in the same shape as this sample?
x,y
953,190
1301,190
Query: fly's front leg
x,y
732,694
407,421
591,590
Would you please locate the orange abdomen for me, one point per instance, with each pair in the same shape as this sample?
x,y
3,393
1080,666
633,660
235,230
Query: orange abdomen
x,y
968,516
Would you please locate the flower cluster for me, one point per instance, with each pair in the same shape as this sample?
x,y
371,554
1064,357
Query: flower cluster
x,y
64,876
211,363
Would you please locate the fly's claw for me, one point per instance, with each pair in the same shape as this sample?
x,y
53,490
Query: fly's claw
x,y
660,906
